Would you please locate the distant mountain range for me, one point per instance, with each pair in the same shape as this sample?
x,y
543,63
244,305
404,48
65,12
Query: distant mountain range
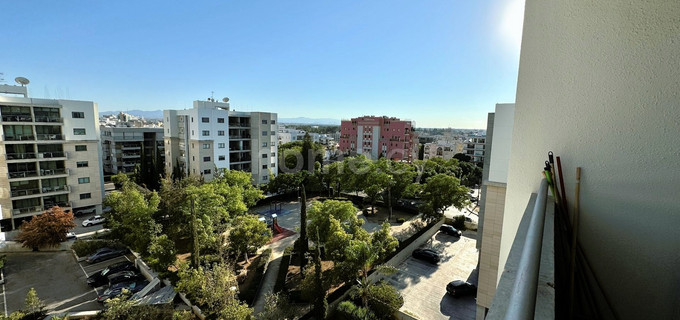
x,y
158,114
155,114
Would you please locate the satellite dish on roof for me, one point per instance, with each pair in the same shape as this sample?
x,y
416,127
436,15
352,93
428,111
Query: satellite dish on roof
x,y
225,99
22,81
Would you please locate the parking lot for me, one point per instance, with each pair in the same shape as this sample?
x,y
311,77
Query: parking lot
x,y
57,277
423,285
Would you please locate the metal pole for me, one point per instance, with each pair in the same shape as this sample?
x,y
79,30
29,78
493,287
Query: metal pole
x,y
522,303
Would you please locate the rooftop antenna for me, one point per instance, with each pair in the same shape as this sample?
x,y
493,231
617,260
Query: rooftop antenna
x,y
225,99
22,81
212,95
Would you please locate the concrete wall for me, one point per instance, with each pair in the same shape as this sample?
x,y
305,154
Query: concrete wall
x,y
504,118
491,238
598,85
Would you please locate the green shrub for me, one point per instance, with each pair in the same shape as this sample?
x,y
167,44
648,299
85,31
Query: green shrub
x,y
459,222
87,247
401,220
349,311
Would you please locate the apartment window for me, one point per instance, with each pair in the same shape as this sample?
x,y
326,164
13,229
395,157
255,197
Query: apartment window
x,y
206,171
206,146
205,133
265,178
264,121
274,154
193,158
192,145
220,120
82,164
273,165
81,147
83,180
79,131
221,158
205,119
264,166
78,115
273,121
264,144
192,119
264,156
85,196
206,159
220,132
264,133
273,133
192,132
221,145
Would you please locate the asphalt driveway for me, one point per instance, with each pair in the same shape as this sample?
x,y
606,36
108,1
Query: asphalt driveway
x,y
423,285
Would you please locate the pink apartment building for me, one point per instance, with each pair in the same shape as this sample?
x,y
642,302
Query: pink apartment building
x,y
379,136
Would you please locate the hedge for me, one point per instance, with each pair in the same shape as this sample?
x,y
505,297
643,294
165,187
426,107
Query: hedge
x,y
280,283
250,294
87,247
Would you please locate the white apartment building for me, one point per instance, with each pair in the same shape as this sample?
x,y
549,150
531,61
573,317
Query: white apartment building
x,y
124,148
474,148
51,156
442,150
210,136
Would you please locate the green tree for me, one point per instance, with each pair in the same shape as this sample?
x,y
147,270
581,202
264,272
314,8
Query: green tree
x,y
214,290
383,242
46,230
248,234
131,216
320,303
384,300
162,253
320,214
33,306
439,193
276,307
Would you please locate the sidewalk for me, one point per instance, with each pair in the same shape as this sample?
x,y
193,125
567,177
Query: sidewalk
x,y
272,271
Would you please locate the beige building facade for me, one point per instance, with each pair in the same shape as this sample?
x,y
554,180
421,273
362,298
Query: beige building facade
x,y
51,157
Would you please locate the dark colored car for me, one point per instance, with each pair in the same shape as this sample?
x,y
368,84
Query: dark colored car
x,y
450,230
105,254
124,276
428,255
117,289
460,288
101,278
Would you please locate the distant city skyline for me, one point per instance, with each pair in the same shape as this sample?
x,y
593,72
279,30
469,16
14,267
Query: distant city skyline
x,y
438,63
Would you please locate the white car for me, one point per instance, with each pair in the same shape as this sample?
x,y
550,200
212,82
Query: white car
x,y
94,220
71,236
82,212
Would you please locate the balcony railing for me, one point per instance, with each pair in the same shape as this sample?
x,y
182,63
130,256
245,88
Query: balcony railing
x,y
17,118
25,192
239,124
49,119
61,204
131,155
53,172
127,148
239,136
52,154
26,210
50,136
20,156
18,137
55,189
22,174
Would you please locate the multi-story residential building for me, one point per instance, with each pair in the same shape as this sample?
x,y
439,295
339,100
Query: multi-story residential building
x,y
442,150
474,148
212,136
51,156
286,135
124,148
494,180
377,137
598,85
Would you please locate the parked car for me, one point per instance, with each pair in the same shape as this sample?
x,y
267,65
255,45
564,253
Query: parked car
x,y
105,254
450,230
428,255
124,276
71,236
100,278
460,288
94,220
117,289
86,211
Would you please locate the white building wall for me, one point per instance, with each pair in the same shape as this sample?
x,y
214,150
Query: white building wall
x,y
502,140
598,85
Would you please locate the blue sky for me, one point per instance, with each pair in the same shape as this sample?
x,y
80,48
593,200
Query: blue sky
x,y
439,63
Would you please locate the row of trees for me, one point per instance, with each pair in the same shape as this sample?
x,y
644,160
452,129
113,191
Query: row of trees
x,y
210,220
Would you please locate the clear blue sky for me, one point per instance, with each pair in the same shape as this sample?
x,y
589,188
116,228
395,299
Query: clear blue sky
x,y
440,63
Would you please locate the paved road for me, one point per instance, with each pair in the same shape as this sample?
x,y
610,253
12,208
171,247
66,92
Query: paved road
x,y
423,285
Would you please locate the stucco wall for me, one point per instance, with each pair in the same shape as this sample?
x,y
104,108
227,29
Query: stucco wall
x,y
599,85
